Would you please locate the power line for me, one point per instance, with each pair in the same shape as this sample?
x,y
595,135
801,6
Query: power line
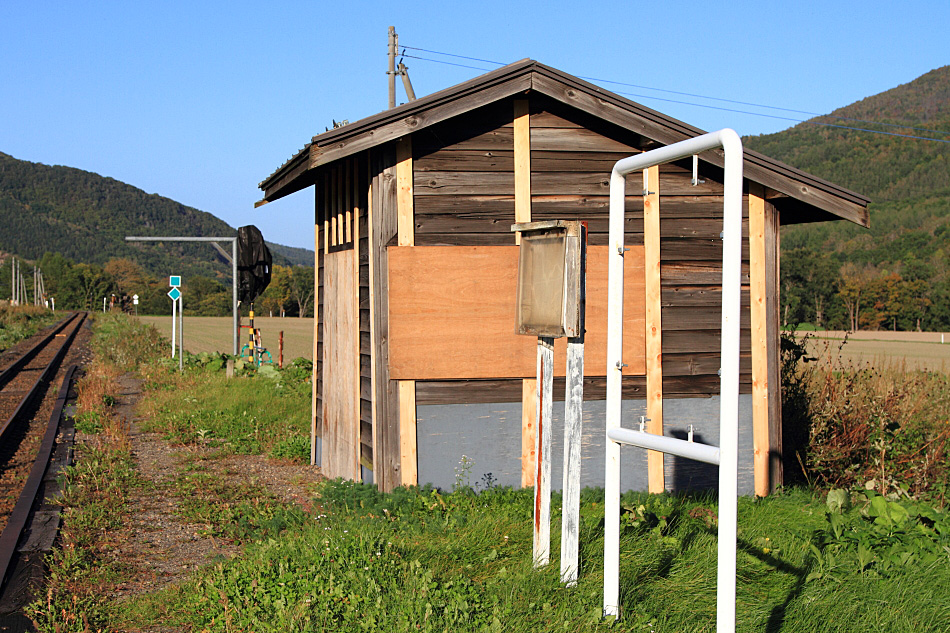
x,y
759,105
700,105
440,61
785,118
472,59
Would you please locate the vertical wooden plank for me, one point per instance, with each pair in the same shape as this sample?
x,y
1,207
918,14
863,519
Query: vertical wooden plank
x,y
316,303
529,393
773,342
541,548
522,150
573,432
341,194
351,200
404,202
386,450
654,324
406,237
407,432
759,324
354,300
340,443
373,334
327,212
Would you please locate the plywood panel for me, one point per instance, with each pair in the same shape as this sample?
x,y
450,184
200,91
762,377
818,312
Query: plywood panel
x,y
452,314
341,424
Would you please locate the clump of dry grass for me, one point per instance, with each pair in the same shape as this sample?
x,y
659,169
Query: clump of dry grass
x,y
886,429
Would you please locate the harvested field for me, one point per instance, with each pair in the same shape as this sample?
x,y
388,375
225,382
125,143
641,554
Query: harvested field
x,y
213,334
882,349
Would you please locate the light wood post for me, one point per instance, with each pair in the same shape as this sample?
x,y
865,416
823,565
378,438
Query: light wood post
x,y
529,392
404,193
522,150
654,325
758,322
529,386
405,235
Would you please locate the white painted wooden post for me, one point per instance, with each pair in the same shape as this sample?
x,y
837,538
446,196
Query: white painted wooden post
x,y
542,479
573,426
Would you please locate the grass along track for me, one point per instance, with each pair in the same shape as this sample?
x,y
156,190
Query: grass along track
x,y
213,334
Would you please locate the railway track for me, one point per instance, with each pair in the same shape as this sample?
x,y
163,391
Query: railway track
x,y
30,411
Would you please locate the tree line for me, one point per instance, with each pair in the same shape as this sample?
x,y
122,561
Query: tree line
x,y
819,289
82,286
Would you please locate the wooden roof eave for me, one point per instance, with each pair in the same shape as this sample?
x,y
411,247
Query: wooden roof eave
x,y
528,75
332,150
774,174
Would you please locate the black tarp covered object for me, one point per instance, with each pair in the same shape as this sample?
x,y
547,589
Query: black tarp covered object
x,y
254,263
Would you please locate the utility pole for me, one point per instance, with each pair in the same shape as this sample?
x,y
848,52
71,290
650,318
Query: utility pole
x,y
404,72
393,45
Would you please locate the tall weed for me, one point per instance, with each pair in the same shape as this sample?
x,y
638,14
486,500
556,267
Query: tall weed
x,y
125,342
21,322
884,429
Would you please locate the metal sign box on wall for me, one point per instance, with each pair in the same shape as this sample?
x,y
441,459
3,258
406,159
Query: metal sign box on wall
x,y
549,273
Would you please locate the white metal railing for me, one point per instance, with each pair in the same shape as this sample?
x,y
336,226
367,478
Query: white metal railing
x,y
726,456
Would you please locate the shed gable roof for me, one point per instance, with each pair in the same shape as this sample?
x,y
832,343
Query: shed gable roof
x,y
528,75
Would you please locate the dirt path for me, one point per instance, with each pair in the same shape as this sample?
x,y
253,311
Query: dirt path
x,y
161,547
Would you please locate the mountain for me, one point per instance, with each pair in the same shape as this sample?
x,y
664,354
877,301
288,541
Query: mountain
x,y
907,179
85,217
894,274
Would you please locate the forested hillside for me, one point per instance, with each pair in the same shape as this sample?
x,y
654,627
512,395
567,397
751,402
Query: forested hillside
x,y
85,217
895,275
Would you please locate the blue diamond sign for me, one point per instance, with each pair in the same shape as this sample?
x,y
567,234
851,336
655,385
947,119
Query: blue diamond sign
x,y
174,293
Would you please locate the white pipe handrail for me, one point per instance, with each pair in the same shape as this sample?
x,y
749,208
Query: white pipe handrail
x,y
729,371
670,445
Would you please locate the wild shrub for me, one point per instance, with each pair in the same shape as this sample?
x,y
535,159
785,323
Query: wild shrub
x,y
21,322
126,342
886,429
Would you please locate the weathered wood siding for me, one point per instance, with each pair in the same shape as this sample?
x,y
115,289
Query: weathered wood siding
x,y
342,215
464,194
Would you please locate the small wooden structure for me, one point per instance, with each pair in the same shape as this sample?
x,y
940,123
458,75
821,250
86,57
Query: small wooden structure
x,y
416,266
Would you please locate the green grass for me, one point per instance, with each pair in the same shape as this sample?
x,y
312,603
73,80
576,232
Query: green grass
x,y
242,415
422,560
352,558
22,322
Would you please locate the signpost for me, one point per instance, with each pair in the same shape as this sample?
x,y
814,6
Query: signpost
x,y
175,294
551,304
232,259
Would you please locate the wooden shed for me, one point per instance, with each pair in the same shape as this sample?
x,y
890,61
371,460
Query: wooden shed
x,y
418,374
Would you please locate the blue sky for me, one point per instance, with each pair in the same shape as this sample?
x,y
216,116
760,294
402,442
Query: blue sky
x,y
200,101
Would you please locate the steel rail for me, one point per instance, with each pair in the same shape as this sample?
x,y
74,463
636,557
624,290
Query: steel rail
x,y
17,520
44,377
